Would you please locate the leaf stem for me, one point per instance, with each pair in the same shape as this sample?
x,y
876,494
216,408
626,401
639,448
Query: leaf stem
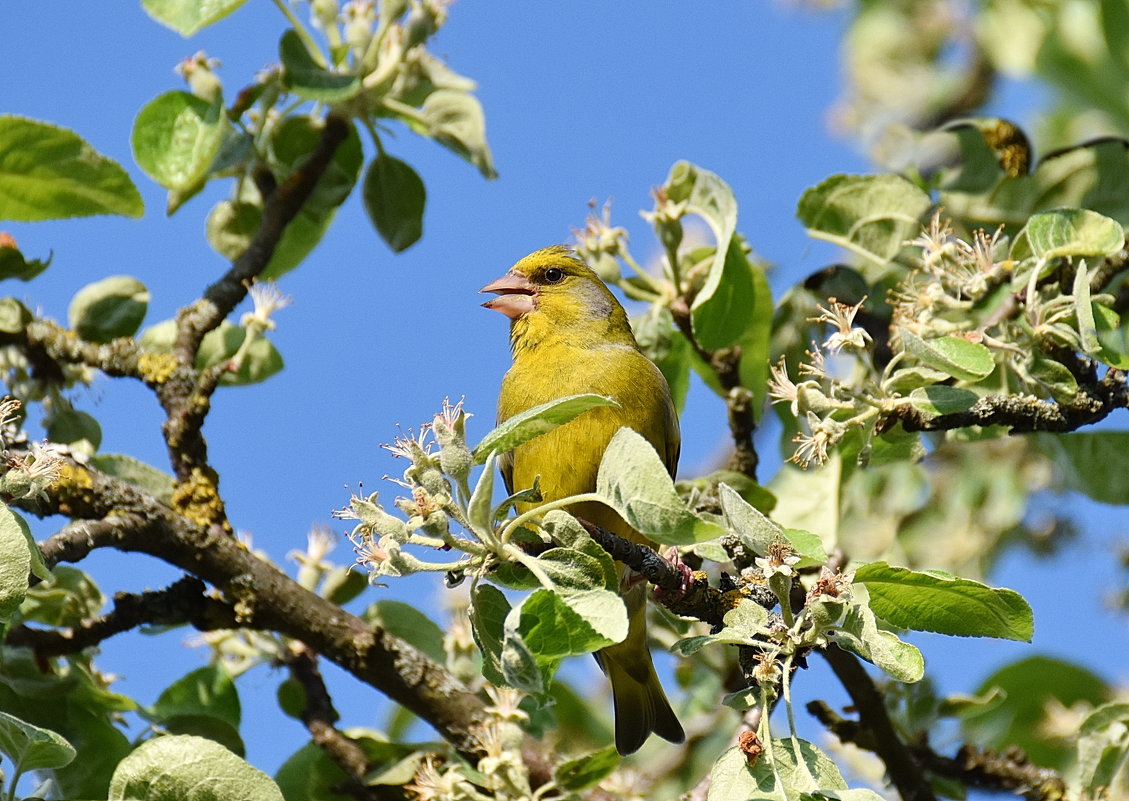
x,y
303,34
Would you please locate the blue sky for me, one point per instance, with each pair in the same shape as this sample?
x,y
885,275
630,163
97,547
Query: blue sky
x,y
588,100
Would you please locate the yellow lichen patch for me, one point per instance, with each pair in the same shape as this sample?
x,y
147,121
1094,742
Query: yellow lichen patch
x,y
155,368
73,488
198,499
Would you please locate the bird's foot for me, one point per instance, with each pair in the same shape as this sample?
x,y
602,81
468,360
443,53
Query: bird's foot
x,y
686,577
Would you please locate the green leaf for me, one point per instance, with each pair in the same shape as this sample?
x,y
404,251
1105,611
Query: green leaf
x,y
633,481
1068,232
110,308
231,227
31,747
1093,176
1113,337
50,173
979,168
488,612
1092,462
291,143
175,138
744,623
408,623
584,772
1029,685
454,119
946,604
755,531
205,691
534,422
302,74
66,597
14,265
871,215
74,428
942,399
953,354
858,633
176,767
553,626
14,316
1053,375
157,483
15,567
564,530
1103,747
394,197
796,770
188,16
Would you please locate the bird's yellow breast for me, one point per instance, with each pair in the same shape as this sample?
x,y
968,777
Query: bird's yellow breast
x,y
567,458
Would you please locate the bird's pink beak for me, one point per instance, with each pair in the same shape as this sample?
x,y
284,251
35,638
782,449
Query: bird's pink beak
x,y
515,295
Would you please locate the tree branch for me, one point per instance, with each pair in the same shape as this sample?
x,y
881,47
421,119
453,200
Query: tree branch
x,y
182,602
972,766
320,718
1025,413
269,600
905,771
725,364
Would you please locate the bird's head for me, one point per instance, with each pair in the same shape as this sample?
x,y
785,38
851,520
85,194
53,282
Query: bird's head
x,y
551,294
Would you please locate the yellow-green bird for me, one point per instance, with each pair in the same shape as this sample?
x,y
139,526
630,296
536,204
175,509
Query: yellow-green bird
x,y
570,335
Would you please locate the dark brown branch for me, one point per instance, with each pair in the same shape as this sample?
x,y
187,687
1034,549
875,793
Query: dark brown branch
x,y
269,600
185,394
282,206
182,602
906,773
1025,413
321,717
725,364
986,769
972,766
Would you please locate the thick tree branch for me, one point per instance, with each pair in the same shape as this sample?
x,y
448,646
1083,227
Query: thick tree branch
x,y
1025,413
320,718
906,773
269,600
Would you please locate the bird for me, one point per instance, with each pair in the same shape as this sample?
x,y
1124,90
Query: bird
x,y
570,335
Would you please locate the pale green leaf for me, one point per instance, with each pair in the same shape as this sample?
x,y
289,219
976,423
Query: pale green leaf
x,y
454,118
110,308
50,173
871,215
1068,232
31,747
583,772
175,138
188,16
953,354
410,624
634,481
179,767
156,482
15,566
534,422
1103,747
942,399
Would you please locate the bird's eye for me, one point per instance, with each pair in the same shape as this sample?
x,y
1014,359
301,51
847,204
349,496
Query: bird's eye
x,y
554,275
